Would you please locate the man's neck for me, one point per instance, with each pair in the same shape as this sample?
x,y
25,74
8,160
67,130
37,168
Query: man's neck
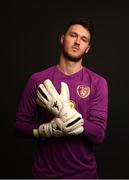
x,y
69,67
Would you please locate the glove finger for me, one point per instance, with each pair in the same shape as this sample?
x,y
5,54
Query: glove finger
x,y
39,102
50,88
57,133
63,126
76,131
41,98
72,126
43,94
74,122
59,123
65,91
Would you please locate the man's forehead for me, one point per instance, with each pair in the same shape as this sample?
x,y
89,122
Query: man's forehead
x,y
78,29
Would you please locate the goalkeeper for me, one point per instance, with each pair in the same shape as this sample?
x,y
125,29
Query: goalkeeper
x,y
64,108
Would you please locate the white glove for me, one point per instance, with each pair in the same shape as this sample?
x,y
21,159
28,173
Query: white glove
x,y
68,121
49,98
50,129
71,124
58,128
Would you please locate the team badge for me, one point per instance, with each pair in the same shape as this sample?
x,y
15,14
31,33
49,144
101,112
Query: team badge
x,y
83,91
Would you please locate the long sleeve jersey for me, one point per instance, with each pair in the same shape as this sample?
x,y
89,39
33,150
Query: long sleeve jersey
x,y
71,156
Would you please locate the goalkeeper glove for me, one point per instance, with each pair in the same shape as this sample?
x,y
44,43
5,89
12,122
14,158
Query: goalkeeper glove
x,y
49,98
58,128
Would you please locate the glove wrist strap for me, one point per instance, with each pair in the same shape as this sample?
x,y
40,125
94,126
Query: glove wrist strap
x,y
36,133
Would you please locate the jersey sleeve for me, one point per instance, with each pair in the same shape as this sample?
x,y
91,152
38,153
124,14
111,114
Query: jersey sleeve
x,y
96,123
24,123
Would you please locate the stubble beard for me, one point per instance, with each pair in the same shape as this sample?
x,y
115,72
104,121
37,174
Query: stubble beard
x,y
69,57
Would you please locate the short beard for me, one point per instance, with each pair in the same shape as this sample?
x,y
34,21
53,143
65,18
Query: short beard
x,y
71,58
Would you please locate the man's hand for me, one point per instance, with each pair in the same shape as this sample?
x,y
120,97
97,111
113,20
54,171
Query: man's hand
x,y
71,124
58,128
67,121
49,98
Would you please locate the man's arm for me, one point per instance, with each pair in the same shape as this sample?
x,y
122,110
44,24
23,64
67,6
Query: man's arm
x,y
27,110
69,124
95,125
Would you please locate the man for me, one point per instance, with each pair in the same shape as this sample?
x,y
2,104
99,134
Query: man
x,y
71,104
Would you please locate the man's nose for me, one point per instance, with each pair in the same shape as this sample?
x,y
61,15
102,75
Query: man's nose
x,y
77,40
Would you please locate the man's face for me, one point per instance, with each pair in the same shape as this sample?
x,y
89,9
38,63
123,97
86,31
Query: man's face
x,y
75,42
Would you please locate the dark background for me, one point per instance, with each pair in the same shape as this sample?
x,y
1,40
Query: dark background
x,y
30,33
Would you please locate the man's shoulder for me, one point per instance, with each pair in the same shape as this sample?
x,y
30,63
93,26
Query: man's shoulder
x,y
40,75
94,76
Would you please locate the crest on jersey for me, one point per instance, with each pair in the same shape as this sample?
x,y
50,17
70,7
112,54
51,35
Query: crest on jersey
x,y
83,91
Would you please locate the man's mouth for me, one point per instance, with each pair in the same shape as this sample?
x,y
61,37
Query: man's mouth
x,y
75,48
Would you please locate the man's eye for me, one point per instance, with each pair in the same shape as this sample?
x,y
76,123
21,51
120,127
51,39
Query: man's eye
x,y
73,35
85,40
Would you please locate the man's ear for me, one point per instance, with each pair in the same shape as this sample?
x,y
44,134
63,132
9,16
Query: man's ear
x,y
88,48
62,39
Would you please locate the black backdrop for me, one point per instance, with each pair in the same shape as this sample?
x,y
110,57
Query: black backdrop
x,y
30,32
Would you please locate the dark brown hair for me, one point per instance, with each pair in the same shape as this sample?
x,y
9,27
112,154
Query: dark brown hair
x,y
85,22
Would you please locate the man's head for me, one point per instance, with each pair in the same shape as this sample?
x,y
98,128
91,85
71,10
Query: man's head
x,y
85,22
76,39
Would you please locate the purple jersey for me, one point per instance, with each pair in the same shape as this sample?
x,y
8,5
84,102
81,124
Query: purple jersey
x,y
73,156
